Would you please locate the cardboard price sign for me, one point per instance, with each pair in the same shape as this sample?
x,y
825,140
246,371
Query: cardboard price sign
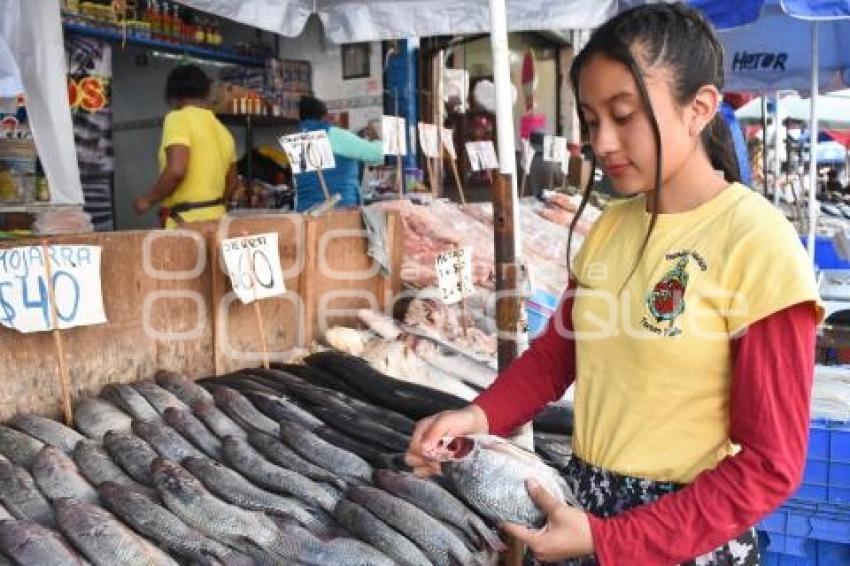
x,y
25,303
253,264
482,155
454,274
308,151
392,134
555,149
447,137
429,140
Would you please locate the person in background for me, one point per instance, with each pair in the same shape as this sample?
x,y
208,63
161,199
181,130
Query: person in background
x,y
349,150
197,155
690,424
833,185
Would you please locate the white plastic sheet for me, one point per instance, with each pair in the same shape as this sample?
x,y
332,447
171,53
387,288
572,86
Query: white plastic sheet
x,y
350,21
32,30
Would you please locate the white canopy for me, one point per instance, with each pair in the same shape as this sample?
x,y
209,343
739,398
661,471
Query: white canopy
x,y
351,21
32,34
833,111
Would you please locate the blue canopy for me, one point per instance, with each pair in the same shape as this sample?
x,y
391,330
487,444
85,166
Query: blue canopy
x,y
768,47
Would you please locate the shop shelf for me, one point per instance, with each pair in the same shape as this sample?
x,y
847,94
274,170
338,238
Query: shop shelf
x,y
117,36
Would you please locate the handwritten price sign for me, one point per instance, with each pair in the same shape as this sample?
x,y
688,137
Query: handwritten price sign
x,y
253,264
454,274
308,151
25,295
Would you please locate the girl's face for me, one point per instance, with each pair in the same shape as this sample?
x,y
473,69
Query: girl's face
x,y
620,129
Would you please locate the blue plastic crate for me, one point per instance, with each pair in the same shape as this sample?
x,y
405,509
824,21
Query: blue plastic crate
x,y
539,308
812,553
826,256
826,477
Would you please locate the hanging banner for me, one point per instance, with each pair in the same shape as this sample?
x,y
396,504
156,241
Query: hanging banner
x,y
90,97
25,295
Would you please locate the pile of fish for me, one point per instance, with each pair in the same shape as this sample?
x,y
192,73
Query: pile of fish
x,y
292,465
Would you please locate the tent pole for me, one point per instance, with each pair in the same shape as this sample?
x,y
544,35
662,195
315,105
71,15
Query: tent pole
x,y
764,143
777,149
813,145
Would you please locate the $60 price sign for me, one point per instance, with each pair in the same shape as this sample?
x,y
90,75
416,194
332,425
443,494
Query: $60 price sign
x,y
253,264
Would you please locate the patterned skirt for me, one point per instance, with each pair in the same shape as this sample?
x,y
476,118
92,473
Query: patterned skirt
x,y
606,494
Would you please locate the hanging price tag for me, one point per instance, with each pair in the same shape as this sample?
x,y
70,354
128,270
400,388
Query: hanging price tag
x,y
454,274
429,140
308,151
447,137
554,149
253,264
392,134
25,296
482,155
527,155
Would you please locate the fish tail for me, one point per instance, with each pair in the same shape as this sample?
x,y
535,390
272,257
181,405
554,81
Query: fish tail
x,y
487,535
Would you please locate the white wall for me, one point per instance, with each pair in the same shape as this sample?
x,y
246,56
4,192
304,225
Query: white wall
x,y
361,97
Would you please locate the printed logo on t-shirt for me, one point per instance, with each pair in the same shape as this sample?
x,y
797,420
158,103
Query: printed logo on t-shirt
x,y
666,300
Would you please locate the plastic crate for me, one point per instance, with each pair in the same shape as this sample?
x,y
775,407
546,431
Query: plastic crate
x,y
826,477
826,256
792,525
812,553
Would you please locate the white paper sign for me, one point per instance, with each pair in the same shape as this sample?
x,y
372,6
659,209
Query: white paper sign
x,y
447,137
429,140
554,149
527,155
482,155
253,263
392,134
308,151
25,296
454,274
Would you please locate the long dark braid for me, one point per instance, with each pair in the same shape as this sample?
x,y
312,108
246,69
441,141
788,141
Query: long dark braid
x,y
678,38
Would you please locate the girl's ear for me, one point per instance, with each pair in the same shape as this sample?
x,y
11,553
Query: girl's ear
x,y
704,106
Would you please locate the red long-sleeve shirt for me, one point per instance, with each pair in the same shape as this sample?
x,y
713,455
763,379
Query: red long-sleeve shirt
x,y
769,400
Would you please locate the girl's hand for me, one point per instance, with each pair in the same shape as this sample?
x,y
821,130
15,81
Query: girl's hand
x,y
424,450
565,535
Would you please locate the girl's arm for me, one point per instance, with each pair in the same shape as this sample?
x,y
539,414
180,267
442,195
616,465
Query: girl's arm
x,y
770,398
538,377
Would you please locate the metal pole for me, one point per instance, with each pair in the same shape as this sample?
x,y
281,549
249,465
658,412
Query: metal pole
x,y
764,144
813,146
777,146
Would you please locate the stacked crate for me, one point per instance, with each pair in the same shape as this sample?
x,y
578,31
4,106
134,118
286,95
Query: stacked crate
x,y
813,527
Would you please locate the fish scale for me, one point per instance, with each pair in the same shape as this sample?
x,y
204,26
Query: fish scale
x,y
19,447
159,524
129,400
242,411
97,467
439,544
182,387
21,496
95,417
186,497
365,525
165,440
278,453
159,398
246,460
104,539
234,488
216,420
27,542
57,476
132,453
194,431
47,430
324,454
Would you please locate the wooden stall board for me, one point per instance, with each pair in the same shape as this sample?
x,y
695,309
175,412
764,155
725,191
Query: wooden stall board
x,y
169,308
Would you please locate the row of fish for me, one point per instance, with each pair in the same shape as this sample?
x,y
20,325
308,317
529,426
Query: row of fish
x,y
281,466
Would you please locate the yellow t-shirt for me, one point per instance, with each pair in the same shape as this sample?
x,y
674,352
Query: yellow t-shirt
x,y
653,363
211,152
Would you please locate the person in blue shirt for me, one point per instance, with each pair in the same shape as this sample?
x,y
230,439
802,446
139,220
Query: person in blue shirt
x,y
349,150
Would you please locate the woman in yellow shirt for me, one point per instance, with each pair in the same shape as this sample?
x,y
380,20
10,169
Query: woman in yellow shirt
x,y
197,155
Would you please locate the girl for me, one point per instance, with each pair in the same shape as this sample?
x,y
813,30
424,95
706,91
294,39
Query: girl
x,y
688,324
